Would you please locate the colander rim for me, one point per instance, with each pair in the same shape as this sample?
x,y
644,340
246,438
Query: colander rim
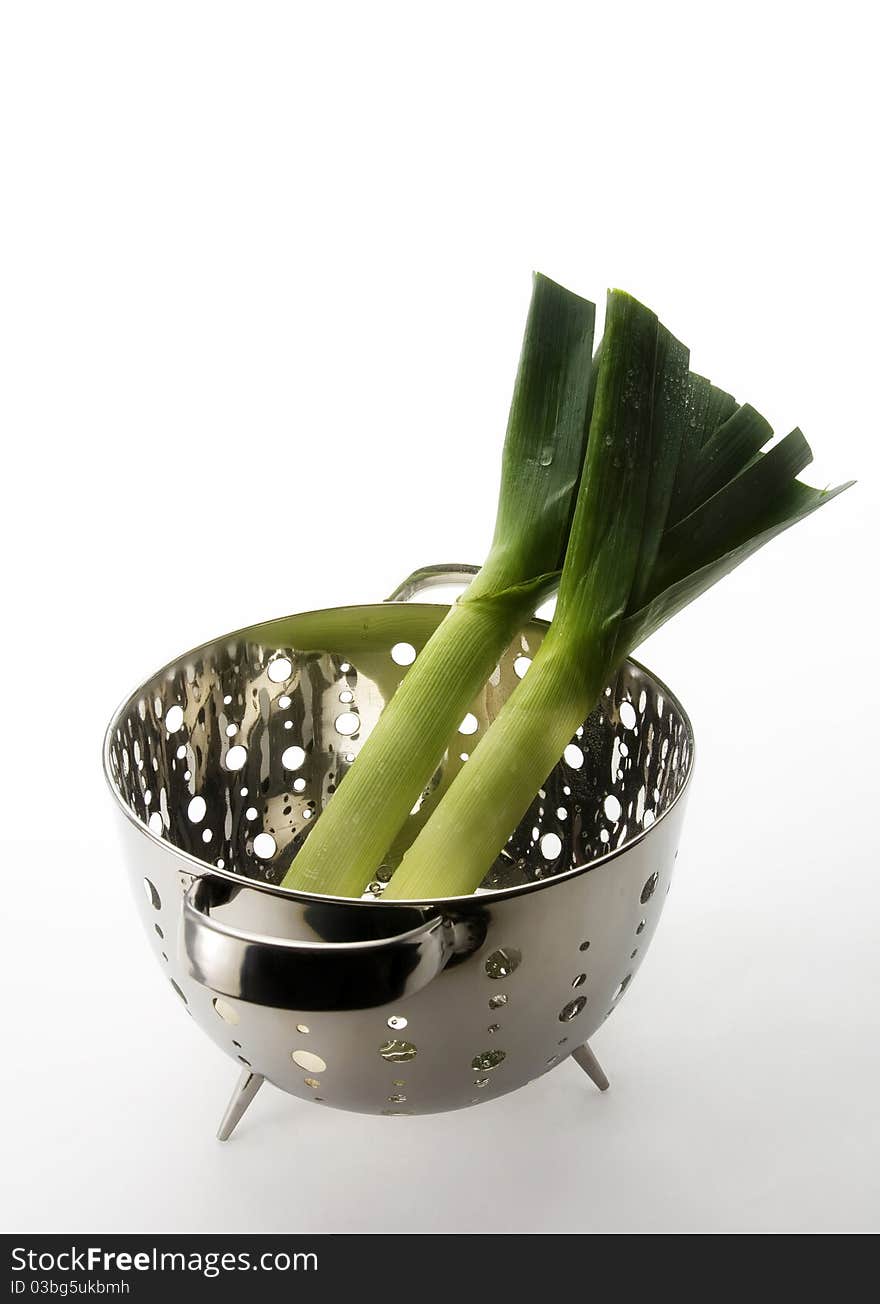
x,y
200,868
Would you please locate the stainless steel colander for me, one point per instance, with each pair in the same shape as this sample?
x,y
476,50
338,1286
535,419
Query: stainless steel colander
x,y
220,762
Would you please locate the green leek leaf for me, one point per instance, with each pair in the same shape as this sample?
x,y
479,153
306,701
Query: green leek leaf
x,y
795,503
658,520
730,516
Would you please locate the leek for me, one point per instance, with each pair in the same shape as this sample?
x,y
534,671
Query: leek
x,y
675,493
541,468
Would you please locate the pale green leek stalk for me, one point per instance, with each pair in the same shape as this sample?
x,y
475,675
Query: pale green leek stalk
x,y
477,815
542,462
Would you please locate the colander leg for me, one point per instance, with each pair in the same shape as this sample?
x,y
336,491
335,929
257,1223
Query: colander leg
x,y
591,1066
246,1088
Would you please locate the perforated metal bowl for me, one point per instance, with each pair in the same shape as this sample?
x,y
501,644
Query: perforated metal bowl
x,y
220,762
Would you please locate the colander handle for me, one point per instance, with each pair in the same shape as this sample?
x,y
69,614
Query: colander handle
x,y
288,973
433,577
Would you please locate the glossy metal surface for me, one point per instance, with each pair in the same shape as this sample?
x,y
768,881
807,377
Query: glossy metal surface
x,y
388,1008
307,974
433,577
591,1066
245,1089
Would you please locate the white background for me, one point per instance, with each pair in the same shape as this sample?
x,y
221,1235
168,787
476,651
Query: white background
x,y
264,275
